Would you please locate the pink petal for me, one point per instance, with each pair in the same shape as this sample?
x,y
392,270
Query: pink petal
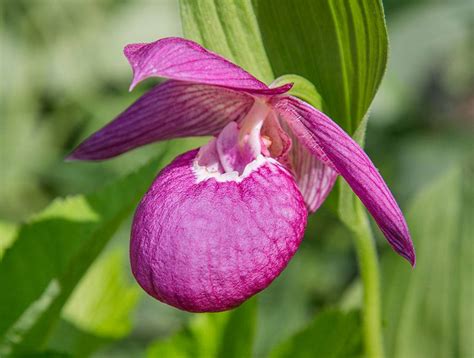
x,y
170,110
327,141
314,178
207,245
185,60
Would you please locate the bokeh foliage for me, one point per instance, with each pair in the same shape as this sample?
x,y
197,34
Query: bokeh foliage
x,y
430,310
52,252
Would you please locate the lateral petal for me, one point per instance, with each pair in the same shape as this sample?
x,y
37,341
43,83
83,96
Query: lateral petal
x,y
314,178
185,60
172,109
329,143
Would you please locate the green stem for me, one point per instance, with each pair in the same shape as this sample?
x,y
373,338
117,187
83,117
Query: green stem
x,y
369,272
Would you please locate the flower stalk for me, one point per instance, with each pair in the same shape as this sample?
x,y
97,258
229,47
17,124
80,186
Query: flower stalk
x,y
369,273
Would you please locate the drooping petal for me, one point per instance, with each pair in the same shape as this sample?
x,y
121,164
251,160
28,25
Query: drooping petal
x,y
185,60
326,140
314,178
203,245
170,110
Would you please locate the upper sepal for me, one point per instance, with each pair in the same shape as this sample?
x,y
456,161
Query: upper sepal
x,y
185,60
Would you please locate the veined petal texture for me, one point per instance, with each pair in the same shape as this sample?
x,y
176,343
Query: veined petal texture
x,y
172,109
315,179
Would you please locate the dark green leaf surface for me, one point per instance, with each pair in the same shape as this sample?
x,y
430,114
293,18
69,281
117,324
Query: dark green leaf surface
x,y
73,341
226,334
53,251
8,232
331,334
429,311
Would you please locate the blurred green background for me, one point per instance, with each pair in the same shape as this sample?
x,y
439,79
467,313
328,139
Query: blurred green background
x,y
64,76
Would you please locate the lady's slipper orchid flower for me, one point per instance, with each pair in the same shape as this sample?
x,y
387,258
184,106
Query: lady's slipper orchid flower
x,y
220,223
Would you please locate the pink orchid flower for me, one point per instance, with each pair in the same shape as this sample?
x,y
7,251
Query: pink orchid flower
x,y
221,222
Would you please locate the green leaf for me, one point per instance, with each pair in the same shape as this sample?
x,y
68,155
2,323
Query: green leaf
x,y
429,310
45,354
53,251
98,310
339,46
226,334
102,302
8,232
331,334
